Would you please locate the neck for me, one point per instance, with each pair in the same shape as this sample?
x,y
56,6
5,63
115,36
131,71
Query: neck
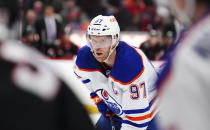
x,y
111,59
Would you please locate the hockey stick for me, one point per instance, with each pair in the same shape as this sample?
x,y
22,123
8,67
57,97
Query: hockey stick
x,y
111,120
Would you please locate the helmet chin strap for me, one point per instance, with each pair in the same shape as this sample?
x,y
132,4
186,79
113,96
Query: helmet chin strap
x,y
112,48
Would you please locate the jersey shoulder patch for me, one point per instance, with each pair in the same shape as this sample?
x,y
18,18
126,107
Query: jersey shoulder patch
x,y
128,64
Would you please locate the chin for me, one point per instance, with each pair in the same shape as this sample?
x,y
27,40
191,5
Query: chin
x,y
100,59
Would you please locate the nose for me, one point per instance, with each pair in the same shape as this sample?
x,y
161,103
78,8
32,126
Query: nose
x,y
97,49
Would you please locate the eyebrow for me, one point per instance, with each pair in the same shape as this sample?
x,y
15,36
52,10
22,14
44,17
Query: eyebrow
x,y
98,39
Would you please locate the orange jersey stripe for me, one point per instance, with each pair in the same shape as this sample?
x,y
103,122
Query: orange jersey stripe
x,y
141,117
89,70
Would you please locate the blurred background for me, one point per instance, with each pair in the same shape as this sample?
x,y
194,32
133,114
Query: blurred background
x,y
57,28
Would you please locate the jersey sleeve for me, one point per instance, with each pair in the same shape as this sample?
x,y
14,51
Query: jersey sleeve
x,y
84,77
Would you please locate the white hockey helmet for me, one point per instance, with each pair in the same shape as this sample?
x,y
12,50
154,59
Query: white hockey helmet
x,y
104,26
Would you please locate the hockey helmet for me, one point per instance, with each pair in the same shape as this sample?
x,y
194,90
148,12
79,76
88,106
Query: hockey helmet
x,y
104,26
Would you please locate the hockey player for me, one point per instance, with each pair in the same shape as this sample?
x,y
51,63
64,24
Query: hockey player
x,y
32,97
120,77
185,85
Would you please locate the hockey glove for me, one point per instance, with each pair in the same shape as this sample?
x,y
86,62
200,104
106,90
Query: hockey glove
x,y
102,107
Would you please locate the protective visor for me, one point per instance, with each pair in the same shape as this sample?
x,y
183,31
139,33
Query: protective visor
x,y
99,41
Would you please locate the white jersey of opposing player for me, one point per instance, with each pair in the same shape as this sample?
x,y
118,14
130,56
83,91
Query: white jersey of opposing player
x,y
185,100
23,76
128,89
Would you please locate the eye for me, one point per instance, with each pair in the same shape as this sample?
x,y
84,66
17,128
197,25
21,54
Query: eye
x,y
94,41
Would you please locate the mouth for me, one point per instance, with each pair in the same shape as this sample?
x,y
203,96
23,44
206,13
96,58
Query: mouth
x,y
98,53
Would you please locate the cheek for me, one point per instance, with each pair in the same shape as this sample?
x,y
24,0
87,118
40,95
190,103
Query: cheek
x,y
107,51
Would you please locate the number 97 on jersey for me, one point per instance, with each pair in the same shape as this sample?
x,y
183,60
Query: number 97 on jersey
x,y
138,91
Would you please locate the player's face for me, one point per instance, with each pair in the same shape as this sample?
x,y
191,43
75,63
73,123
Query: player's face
x,y
100,46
